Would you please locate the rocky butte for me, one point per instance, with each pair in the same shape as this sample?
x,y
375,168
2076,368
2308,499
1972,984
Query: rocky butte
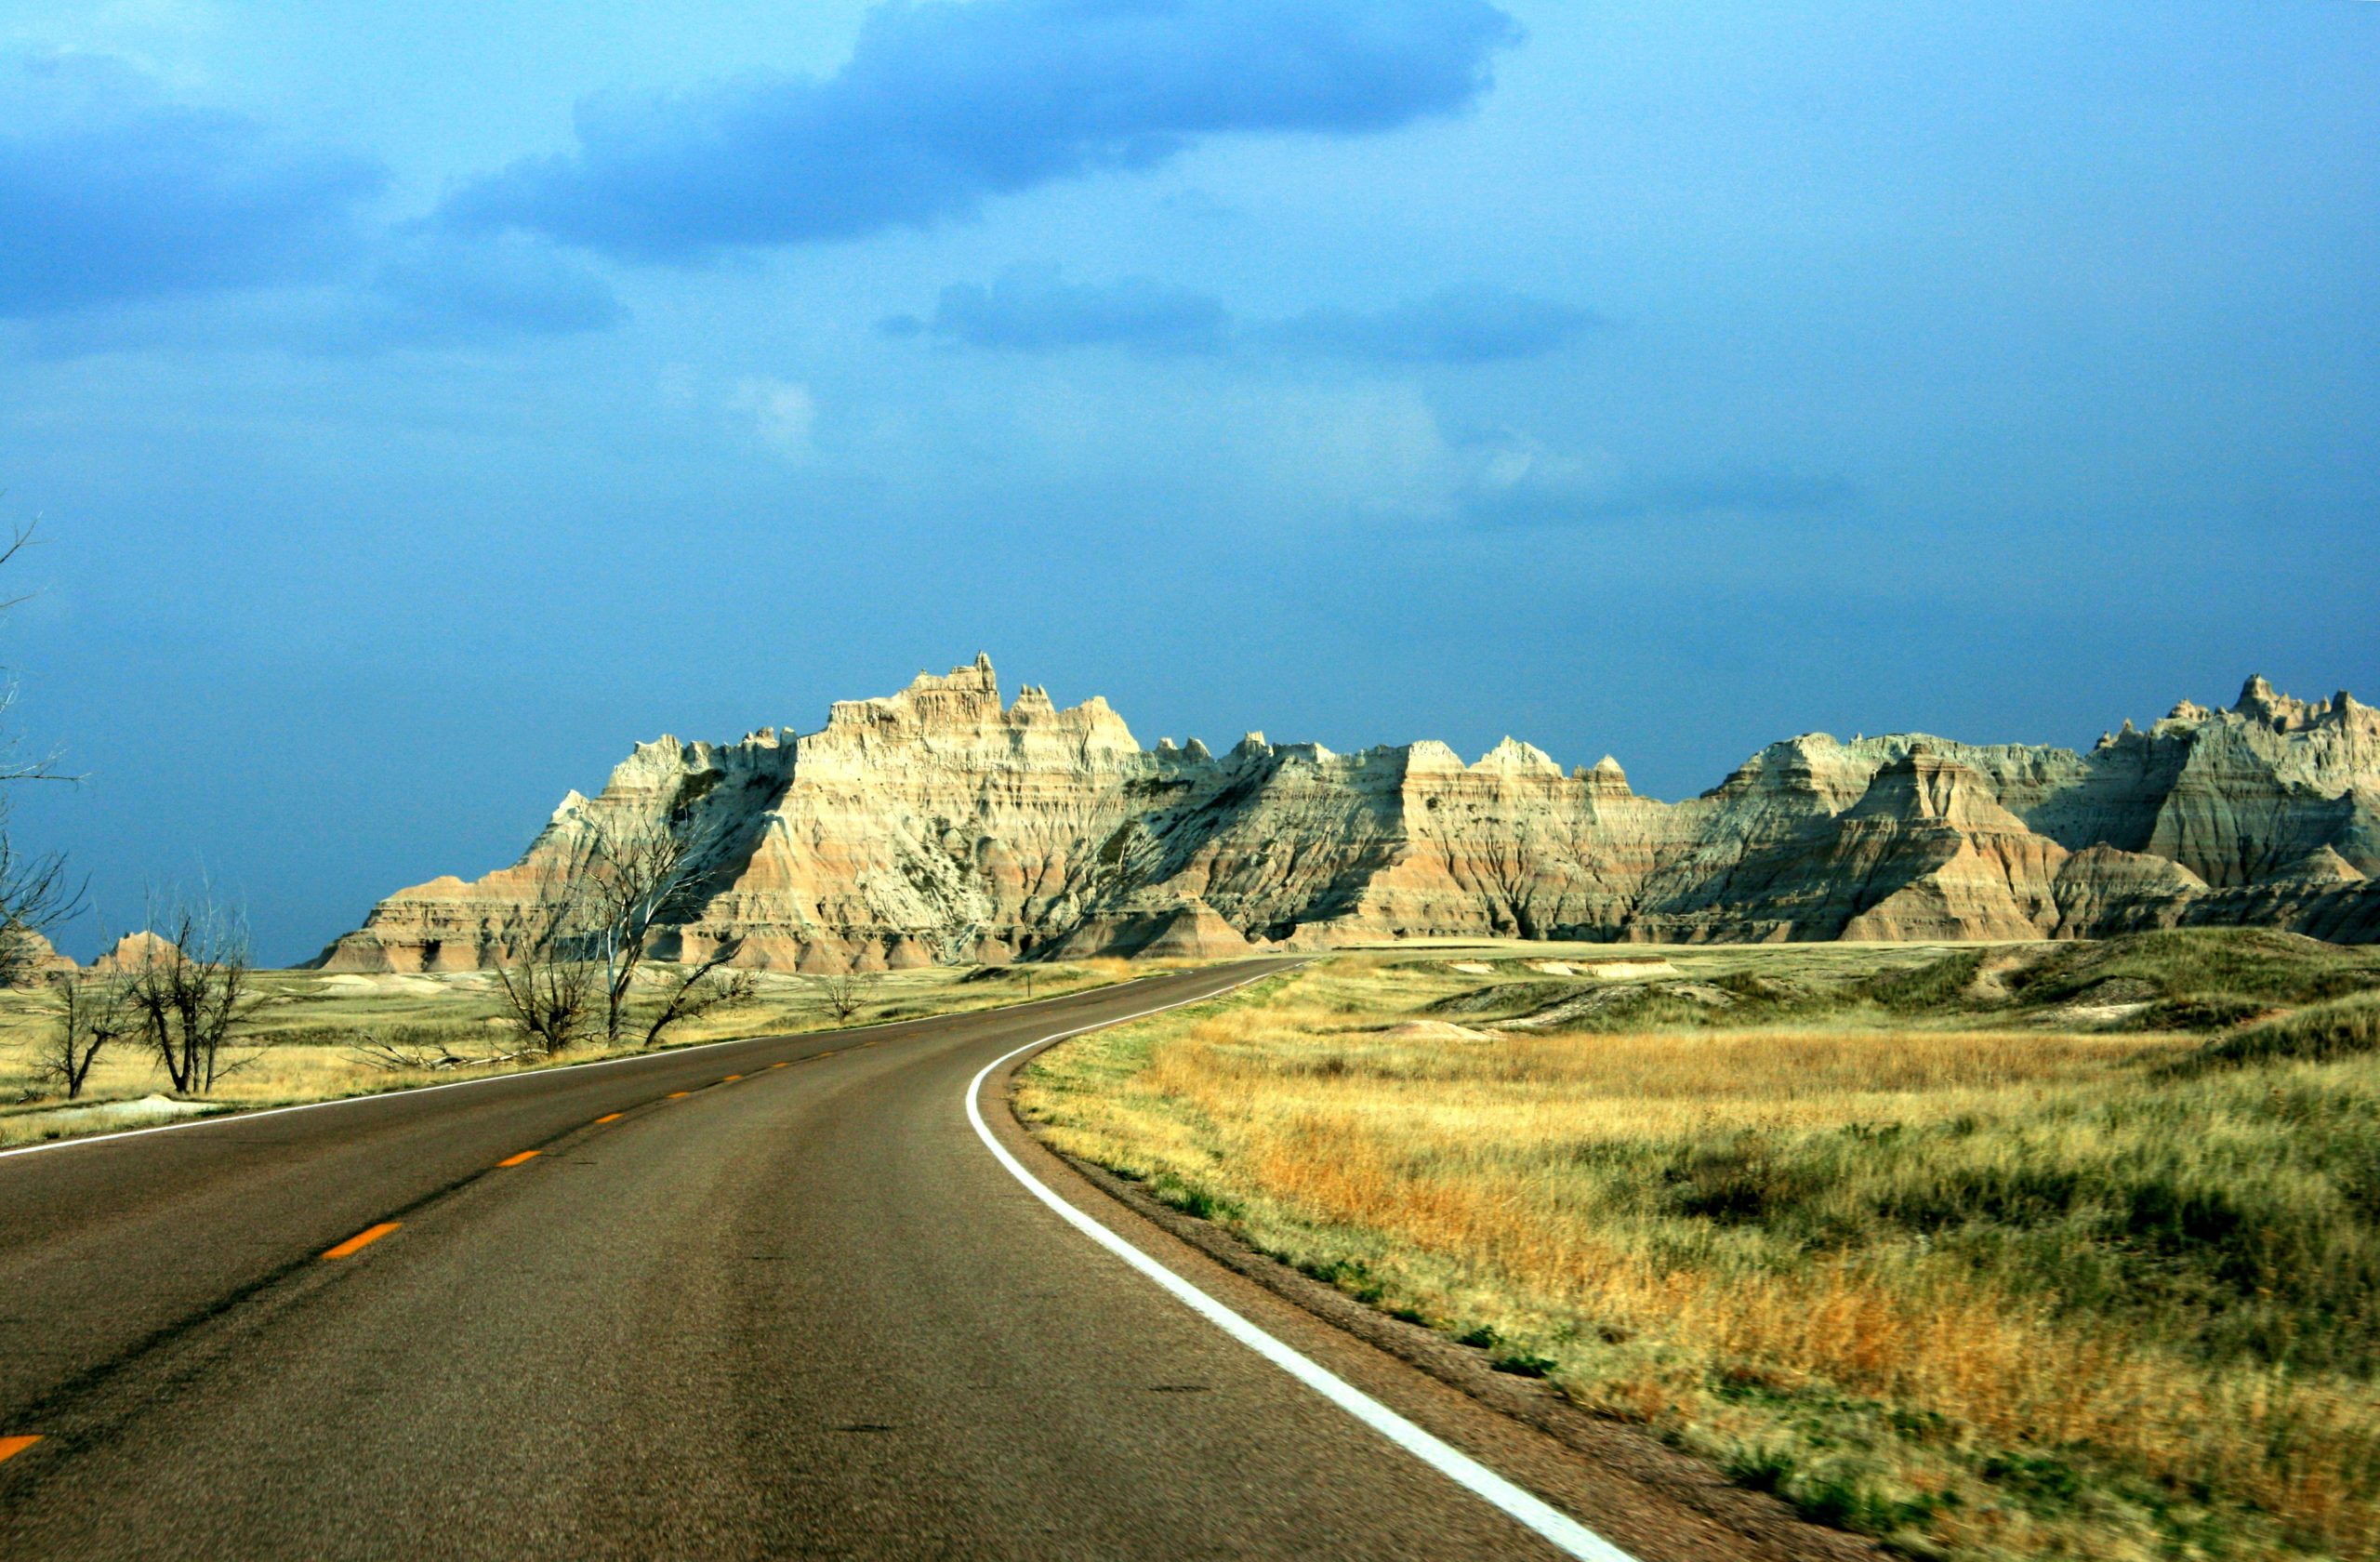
x,y
943,825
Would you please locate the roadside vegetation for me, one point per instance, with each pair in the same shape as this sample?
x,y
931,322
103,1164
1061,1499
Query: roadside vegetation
x,y
2035,1251
313,1036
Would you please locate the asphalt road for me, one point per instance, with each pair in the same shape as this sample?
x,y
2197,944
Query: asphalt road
x,y
802,1312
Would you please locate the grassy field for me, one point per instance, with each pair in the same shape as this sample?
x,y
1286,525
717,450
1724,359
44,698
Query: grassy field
x,y
316,1040
2011,1252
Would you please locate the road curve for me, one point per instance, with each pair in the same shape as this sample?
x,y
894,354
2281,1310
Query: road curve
x,y
772,1298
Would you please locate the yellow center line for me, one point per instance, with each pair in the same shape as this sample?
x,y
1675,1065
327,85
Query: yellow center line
x,y
12,1446
363,1239
680,1095
517,1160
828,1053
776,1065
730,1079
611,1117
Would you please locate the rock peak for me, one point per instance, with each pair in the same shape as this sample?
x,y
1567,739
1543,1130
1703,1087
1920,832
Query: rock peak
x,y
2259,702
1603,778
1512,756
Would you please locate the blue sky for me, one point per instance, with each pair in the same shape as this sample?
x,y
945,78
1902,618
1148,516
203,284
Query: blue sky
x,y
420,406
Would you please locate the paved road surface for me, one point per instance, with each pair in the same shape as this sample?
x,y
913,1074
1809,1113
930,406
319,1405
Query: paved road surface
x,y
800,1313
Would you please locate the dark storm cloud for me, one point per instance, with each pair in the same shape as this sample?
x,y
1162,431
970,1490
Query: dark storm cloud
x,y
943,105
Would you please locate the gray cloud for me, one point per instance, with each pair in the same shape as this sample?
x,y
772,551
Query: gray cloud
x,y
944,105
433,288
1454,326
1034,308
110,193
123,211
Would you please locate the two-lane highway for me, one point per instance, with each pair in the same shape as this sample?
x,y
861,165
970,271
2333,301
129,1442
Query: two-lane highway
x,y
775,1298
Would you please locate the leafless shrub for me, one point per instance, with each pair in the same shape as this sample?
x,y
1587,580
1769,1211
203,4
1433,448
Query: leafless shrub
x,y
844,993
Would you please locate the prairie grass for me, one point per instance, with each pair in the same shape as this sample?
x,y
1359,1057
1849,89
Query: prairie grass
x,y
1981,1290
310,1043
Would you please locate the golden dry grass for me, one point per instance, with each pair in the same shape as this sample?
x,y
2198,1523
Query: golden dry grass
x,y
1984,1292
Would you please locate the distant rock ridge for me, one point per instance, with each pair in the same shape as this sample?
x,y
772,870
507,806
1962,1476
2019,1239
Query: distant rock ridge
x,y
941,824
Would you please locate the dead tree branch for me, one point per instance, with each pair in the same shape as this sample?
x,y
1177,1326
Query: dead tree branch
x,y
698,989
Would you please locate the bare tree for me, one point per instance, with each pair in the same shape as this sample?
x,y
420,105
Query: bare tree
x,y
845,994
573,959
548,985
89,1011
192,992
35,892
636,874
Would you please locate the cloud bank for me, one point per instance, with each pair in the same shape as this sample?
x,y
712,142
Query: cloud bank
x,y
944,105
120,207
109,192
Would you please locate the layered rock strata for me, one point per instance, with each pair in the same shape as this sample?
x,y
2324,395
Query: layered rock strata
x,y
944,825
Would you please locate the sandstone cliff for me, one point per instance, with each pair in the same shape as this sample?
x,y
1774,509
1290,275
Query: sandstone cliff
x,y
943,824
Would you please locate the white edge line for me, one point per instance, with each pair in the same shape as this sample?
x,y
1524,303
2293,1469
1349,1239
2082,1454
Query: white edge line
x,y
401,1092
1555,1527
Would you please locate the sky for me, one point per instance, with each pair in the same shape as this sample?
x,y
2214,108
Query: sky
x,y
419,405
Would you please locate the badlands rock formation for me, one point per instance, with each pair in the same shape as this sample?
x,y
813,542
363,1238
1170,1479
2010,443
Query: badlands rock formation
x,y
35,960
135,951
943,825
